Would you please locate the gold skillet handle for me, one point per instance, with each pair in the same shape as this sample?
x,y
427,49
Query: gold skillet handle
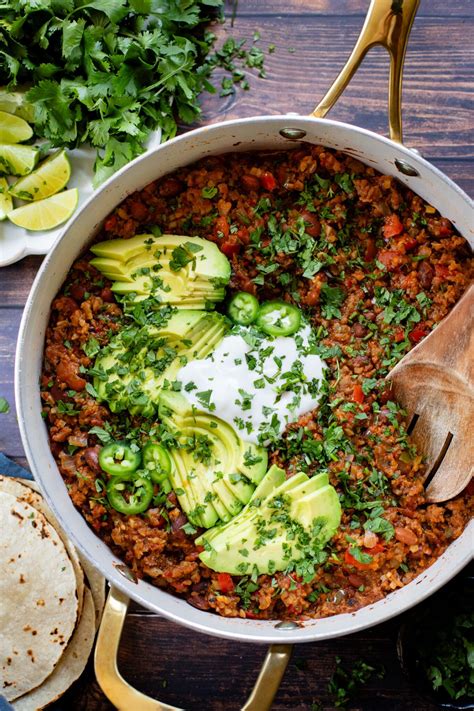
x,y
388,23
125,698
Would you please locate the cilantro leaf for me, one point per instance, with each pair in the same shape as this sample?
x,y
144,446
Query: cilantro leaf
x,y
331,298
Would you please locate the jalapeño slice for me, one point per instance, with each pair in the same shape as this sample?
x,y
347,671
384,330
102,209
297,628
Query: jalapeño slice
x,y
277,318
119,459
130,497
243,308
156,462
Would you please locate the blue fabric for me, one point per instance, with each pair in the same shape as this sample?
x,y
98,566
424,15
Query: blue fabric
x,y
9,468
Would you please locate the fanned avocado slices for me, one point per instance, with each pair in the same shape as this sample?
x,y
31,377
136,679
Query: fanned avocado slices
x,y
131,370
186,272
214,471
285,521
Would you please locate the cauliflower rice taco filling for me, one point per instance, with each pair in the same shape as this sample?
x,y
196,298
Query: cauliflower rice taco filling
x,y
372,268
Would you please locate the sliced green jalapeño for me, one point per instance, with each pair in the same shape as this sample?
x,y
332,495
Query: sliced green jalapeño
x,y
243,308
130,497
119,459
156,462
277,318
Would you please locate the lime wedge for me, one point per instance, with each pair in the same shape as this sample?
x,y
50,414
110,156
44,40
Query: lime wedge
x,y
6,203
13,129
46,214
51,177
15,103
17,160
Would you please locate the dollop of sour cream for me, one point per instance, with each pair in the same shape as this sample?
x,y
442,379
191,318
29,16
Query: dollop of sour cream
x,y
256,384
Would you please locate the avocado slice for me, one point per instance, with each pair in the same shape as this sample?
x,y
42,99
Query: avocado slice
x,y
273,478
225,469
291,522
189,272
298,485
131,378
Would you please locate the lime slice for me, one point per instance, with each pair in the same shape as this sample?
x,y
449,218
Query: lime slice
x,y
15,103
17,160
6,203
13,129
51,177
46,214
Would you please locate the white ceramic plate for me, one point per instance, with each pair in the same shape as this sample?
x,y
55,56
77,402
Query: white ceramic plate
x,y
16,242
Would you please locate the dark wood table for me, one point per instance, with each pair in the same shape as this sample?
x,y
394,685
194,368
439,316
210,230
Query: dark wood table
x,y
312,40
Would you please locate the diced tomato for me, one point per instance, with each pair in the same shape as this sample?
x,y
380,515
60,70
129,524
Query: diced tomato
x,y
221,227
391,260
225,582
268,181
139,210
111,223
399,335
393,226
442,271
251,182
410,243
243,235
358,394
378,548
251,615
370,250
230,247
445,230
350,560
419,332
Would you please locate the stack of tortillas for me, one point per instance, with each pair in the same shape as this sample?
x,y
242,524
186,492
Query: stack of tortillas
x,y
51,601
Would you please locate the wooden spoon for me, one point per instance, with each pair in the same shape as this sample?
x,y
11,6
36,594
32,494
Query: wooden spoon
x,y
435,384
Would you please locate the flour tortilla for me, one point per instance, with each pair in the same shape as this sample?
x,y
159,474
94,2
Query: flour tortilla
x,y
38,602
29,494
95,579
70,666
96,583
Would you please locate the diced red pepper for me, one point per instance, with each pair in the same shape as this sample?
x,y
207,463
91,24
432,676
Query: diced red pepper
x,y
268,181
225,582
358,394
393,226
419,332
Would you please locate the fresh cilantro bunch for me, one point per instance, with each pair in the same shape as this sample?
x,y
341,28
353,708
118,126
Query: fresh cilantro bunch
x,y
107,72
345,683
